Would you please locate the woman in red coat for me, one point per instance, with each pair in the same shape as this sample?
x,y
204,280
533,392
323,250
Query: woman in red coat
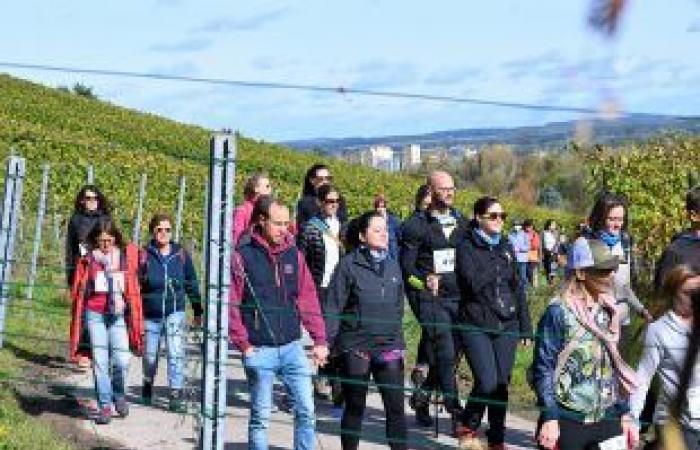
x,y
106,295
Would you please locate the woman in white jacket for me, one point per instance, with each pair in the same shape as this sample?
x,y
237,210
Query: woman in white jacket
x,y
665,348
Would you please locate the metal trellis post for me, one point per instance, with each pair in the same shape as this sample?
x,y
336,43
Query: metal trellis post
x,y
41,211
218,278
12,199
136,232
178,210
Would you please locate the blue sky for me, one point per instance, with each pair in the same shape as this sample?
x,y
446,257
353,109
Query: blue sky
x,y
537,51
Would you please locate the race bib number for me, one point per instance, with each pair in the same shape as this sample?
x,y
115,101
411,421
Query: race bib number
x,y
614,443
444,260
117,282
694,402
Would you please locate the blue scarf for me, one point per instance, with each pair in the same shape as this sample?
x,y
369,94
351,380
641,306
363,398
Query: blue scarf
x,y
378,255
493,239
610,239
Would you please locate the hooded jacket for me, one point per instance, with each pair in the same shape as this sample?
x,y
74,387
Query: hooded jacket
x,y
492,297
665,347
683,249
271,298
364,306
241,219
165,280
132,297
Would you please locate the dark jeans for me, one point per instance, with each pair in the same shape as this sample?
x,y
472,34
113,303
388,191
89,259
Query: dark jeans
x,y
585,436
549,264
438,319
490,357
356,371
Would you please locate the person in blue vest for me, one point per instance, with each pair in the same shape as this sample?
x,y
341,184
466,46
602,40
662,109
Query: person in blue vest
x,y
167,276
272,295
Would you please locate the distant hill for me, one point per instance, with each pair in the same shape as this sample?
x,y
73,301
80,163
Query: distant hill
x,y
550,136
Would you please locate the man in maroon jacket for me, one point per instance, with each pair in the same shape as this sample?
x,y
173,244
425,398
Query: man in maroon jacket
x,y
272,295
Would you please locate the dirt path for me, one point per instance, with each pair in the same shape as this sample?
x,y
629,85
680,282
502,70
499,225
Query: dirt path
x,y
153,427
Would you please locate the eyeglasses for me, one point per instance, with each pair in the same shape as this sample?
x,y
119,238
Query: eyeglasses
x,y
331,201
88,198
105,241
162,230
495,216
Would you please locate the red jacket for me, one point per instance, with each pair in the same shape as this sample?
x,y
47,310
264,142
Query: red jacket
x,y
132,296
241,219
307,302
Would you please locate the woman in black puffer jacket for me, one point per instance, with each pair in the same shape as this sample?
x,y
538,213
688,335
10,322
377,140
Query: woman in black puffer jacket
x,y
495,314
364,328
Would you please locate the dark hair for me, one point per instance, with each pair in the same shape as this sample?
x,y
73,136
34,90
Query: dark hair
x,y
103,204
422,192
105,225
308,188
261,209
548,224
482,205
603,204
359,226
251,183
692,199
157,219
325,190
690,359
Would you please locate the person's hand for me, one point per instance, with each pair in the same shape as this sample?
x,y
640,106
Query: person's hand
x,y
319,355
249,352
432,282
648,318
549,434
630,430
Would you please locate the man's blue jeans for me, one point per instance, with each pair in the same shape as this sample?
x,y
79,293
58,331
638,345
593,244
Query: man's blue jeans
x,y
110,353
173,327
290,364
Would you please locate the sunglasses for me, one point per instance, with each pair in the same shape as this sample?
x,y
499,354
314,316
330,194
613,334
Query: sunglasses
x,y
495,216
331,201
90,197
163,230
325,177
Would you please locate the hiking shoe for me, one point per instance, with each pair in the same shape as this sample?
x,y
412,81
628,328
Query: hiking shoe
x,y
177,402
423,418
147,393
122,407
103,416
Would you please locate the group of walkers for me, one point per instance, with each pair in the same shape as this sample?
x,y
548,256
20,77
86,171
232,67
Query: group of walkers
x,y
125,300
345,280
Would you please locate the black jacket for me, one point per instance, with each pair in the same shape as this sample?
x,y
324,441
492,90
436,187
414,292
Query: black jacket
x,y
364,307
421,235
310,242
492,294
307,207
79,226
683,249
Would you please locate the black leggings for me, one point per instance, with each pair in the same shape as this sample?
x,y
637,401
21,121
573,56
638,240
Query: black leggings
x,y
356,371
490,357
586,436
438,319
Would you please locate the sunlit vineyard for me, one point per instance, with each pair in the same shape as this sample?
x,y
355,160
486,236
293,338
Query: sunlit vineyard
x,y
654,176
71,132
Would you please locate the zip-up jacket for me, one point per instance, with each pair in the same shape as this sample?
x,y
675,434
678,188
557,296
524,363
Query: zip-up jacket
x,y
364,307
421,236
241,219
492,294
310,242
272,294
166,280
683,249
79,226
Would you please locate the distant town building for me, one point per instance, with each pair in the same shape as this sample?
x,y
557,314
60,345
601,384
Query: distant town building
x,y
381,157
411,157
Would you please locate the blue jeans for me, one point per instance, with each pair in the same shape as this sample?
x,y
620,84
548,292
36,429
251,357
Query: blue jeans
x,y
522,273
290,364
173,326
110,355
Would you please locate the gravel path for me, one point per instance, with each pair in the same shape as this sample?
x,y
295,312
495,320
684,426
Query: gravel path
x,y
153,427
